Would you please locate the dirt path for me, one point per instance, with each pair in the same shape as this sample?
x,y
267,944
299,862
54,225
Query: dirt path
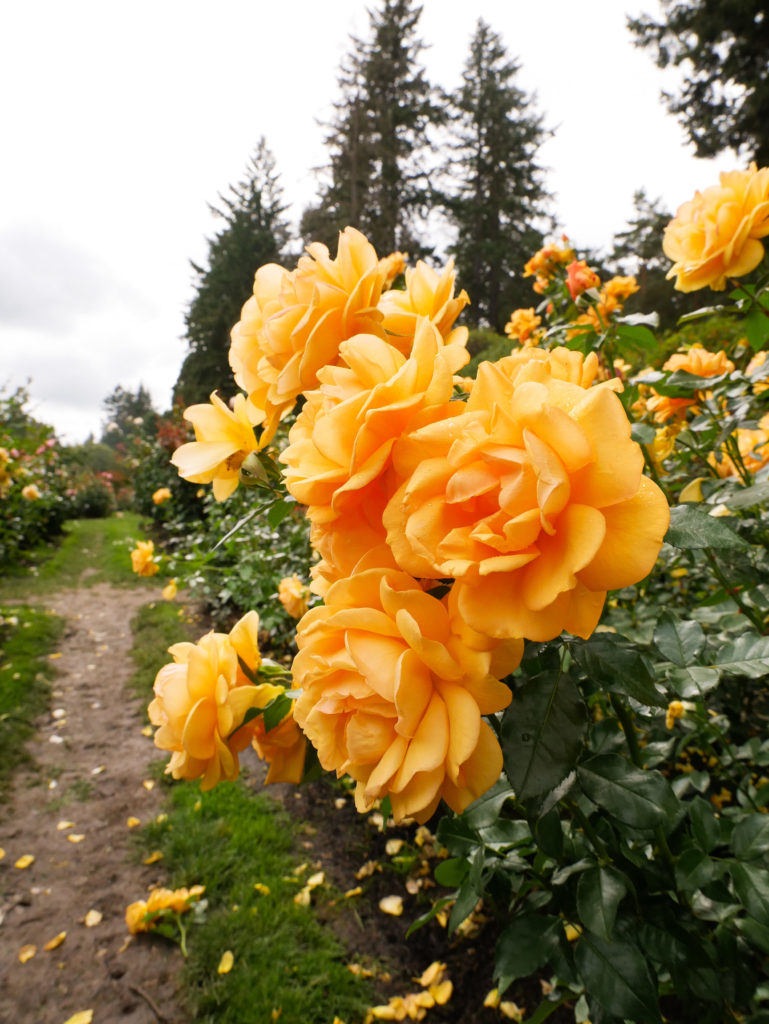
x,y
91,760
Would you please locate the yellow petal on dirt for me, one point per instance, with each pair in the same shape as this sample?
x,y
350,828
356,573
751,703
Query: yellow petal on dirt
x,y
153,858
82,1017
300,870
357,891
262,888
97,771
225,964
147,730
442,993
392,905
492,999
368,869
431,975
92,918
393,847
25,860
2,853
340,802
55,942
61,825
75,837
315,880
53,657
512,1011
26,953
132,822
148,784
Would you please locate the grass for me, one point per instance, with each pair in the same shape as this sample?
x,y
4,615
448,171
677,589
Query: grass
x,y
286,963
27,636
91,551
155,627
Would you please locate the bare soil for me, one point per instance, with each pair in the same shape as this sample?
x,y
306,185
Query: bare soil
x,y
89,760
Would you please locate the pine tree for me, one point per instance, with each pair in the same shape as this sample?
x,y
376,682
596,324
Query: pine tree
x,y
495,201
378,141
254,233
129,415
723,100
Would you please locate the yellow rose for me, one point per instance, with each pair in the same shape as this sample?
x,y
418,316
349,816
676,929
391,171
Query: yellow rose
x,y
546,261
134,917
533,500
201,700
428,294
753,446
142,558
292,325
282,747
161,494
342,441
31,492
293,594
716,234
224,437
700,363
393,686
522,326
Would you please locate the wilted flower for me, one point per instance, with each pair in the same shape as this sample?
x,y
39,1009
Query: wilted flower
x,y
224,437
716,234
143,915
143,558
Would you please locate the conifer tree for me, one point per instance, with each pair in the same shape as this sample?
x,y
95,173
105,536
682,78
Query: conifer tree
x,y
378,141
254,233
495,199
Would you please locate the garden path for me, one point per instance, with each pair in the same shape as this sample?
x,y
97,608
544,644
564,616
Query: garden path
x,y
89,769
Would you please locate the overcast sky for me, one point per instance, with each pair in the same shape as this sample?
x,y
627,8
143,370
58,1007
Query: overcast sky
x,y
121,122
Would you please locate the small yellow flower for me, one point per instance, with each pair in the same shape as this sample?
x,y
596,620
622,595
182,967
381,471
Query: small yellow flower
x,y
169,591
143,558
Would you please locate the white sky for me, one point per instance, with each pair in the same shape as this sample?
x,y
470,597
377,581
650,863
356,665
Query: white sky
x,y
121,122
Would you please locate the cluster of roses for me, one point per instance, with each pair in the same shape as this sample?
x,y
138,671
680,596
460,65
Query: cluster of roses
x,y
451,518
143,915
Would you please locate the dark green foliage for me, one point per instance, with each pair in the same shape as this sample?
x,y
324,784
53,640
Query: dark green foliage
x,y
254,233
378,142
723,101
495,199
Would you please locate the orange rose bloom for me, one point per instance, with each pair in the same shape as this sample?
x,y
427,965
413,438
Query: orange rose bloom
x,y
700,363
160,495
579,277
143,558
753,447
546,261
536,505
283,747
292,325
292,594
522,325
394,685
201,700
224,437
716,234
342,440
427,294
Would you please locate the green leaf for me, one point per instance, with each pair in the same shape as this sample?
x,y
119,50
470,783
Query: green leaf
x,y
677,641
757,934
599,892
694,681
615,664
456,835
751,837
276,711
636,336
643,433
428,916
694,870
618,977
705,827
692,528
756,326
747,496
642,799
542,732
549,834
485,810
752,887
469,893
525,946
748,655
279,511
451,872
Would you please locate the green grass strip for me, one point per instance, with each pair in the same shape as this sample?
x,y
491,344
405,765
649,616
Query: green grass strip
x,y
229,840
91,551
155,627
27,636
